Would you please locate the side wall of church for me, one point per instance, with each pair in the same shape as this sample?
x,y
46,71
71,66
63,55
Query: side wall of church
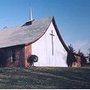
x,y
48,54
12,56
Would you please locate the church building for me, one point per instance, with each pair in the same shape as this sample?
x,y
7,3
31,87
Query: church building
x,y
37,37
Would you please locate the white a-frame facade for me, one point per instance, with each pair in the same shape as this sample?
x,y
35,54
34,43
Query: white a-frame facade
x,y
50,49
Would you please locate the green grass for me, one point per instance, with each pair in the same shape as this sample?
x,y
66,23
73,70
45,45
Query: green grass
x,y
44,77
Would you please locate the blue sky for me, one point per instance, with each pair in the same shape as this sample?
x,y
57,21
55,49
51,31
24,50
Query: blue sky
x,y
72,17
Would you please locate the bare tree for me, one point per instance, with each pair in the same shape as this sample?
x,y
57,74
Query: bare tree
x,y
83,58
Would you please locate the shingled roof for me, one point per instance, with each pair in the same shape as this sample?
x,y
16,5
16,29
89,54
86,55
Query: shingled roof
x,y
28,33
24,34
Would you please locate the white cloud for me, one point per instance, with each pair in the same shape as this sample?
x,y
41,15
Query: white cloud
x,y
82,45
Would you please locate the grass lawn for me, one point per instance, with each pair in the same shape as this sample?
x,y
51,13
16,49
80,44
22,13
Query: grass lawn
x,y
45,77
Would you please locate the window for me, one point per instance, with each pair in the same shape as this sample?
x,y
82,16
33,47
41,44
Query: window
x,y
13,55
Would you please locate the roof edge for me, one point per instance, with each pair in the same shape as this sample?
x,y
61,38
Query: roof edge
x,y
59,35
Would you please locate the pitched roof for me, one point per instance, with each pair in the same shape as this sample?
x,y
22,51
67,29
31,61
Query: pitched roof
x,y
24,34
28,33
